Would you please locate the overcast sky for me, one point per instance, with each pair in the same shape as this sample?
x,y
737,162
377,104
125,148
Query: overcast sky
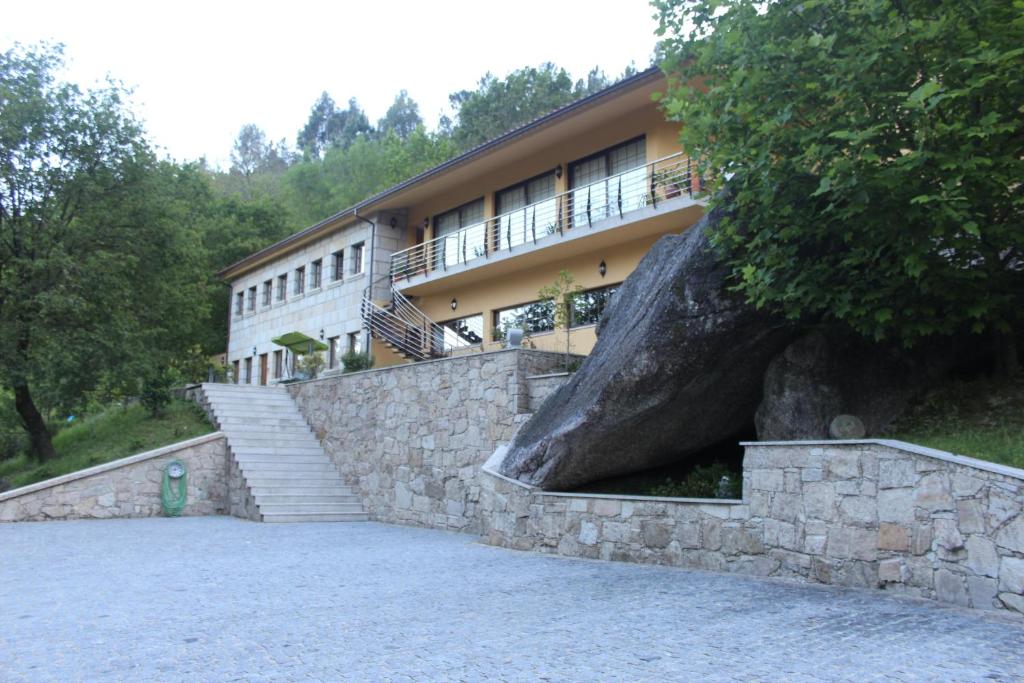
x,y
200,70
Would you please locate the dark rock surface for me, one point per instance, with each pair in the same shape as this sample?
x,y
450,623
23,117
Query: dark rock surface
x,y
678,366
827,373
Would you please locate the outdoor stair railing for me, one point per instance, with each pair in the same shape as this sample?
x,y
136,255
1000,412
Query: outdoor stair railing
x,y
408,330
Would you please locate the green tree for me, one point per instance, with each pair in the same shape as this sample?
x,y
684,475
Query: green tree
x,y
328,126
562,293
874,152
402,117
100,270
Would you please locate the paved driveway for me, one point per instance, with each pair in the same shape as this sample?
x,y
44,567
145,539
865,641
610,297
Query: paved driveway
x,y
220,599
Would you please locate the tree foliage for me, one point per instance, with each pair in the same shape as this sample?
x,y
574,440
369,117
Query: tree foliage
x,y
874,152
402,117
329,126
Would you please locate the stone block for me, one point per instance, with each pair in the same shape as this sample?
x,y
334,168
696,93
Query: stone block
x,y
1011,575
811,474
982,591
893,537
791,562
949,587
578,505
1011,536
1002,505
933,492
1012,601
737,540
898,472
656,534
947,535
921,539
607,508
858,510
767,480
588,532
791,481
966,483
711,533
891,571
819,500
617,532
815,545
842,464
854,543
982,558
688,534
896,505
971,516
778,534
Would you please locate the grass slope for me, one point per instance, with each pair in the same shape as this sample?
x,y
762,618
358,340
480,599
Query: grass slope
x,y
114,433
982,418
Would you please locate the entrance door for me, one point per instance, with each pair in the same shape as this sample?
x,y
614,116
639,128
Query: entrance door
x,y
263,369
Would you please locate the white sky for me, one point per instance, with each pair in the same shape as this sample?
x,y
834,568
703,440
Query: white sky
x,y
200,70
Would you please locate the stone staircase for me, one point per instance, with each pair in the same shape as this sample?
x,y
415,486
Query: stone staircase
x,y
290,477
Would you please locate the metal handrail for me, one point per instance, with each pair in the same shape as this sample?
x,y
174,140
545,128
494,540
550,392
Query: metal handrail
x,y
579,207
407,328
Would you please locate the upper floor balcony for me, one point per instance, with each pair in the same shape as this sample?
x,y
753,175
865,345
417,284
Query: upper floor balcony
x,y
613,202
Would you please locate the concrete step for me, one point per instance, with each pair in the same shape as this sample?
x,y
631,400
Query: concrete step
x,y
277,481
306,508
325,474
256,468
317,517
264,499
271,420
311,488
283,450
281,437
297,459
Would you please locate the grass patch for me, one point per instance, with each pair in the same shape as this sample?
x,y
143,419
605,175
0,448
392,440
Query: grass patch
x,y
982,418
114,433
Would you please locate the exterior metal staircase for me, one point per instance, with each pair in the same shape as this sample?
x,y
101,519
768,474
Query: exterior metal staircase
x,y
407,331
290,477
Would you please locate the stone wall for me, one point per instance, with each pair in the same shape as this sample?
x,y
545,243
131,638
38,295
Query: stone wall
x,y
411,438
871,514
542,386
129,487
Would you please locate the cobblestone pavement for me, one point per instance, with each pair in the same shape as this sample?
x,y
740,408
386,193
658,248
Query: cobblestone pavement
x,y
220,599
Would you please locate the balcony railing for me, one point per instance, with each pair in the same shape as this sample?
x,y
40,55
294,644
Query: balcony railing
x,y
578,208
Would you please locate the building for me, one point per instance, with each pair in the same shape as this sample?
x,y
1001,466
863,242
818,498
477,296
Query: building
x,y
452,259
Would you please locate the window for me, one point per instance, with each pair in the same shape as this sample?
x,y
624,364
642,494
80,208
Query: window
x,y
300,280
252,298
239,303
248,371
278,363
267,285
460,332
588,306
332,352
532,318
282,287
464,233
357,258
316,273
338,265
235,375
355,342
609,181
526,211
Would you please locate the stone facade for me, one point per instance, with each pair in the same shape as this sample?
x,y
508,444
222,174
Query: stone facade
x,y
867,514
411,438
129,487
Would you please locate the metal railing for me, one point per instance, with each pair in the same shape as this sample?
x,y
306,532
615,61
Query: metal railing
x,y
580,207
408,330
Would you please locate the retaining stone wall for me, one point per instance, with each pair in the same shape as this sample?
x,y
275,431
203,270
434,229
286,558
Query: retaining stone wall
x,y
411,438
129,487
869,514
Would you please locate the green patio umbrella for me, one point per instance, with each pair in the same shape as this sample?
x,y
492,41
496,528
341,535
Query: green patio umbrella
x,y
299,343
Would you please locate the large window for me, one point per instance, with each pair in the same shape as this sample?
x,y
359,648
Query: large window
x,y
530,318
358,254
467,331
526,211
300,280
239,303
267,285
588,306
282,287
252,298
464,234
338,265
610,181
316,273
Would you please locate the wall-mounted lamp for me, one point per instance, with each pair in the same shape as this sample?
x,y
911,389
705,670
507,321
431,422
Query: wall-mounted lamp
x,y
254,350
455,303
393,222
602,268
558,171
321,335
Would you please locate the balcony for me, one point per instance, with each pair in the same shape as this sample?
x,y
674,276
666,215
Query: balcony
x,y
658,187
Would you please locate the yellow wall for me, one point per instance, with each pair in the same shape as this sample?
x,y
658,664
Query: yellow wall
x,y
662,140
522,286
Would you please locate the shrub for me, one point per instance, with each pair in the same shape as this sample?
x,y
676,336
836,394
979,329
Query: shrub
x,y
156,392
704,481
310,365
355,361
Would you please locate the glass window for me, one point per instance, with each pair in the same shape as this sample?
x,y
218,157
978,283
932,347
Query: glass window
x,y
267,285
467,331
282,287
464,233
530,318
252,298
337,265
239,303
248,371
300,280
278,363
610,179
358,251
526,212
332,352
236,375
355,342
588,306
316,273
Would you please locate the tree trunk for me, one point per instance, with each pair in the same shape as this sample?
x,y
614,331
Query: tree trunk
x,y
39,436
1007,363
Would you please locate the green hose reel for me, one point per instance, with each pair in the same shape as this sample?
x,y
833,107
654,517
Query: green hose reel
x,y
174,490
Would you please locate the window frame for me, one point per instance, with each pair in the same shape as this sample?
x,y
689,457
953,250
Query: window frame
x,y
300,280
573,324
497,334
268,286
282,287
250,303
338,265
358,265
316,273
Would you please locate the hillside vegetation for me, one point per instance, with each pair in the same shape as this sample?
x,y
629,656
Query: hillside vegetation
x,y
117,432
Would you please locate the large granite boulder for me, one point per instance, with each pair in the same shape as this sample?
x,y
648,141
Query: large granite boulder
x,y
678,367
828,373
